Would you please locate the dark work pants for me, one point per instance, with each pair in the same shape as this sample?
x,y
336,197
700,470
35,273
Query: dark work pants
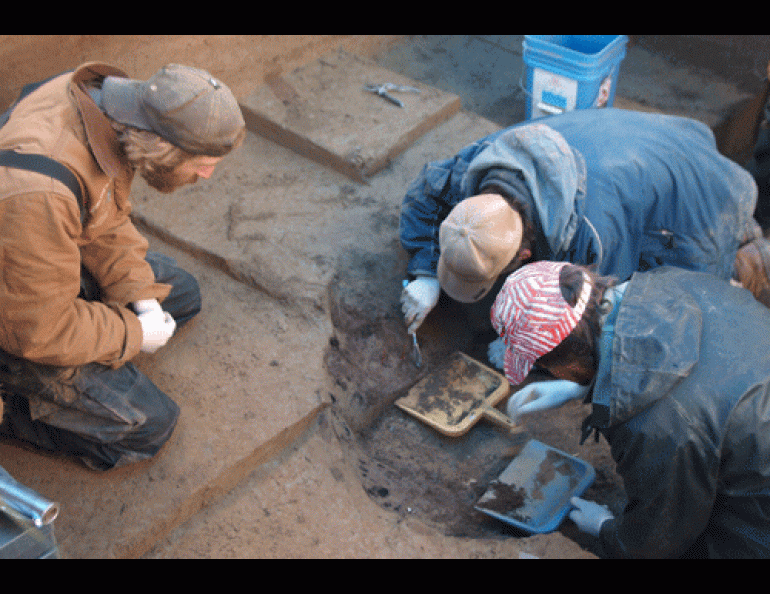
x,y
105,417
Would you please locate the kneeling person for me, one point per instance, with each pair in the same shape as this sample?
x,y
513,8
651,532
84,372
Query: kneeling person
x,y
81,296
675,366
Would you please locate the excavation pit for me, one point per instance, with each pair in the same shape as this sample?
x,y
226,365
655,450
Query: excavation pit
x,y
405,465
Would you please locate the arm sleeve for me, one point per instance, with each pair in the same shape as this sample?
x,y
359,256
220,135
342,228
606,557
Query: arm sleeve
x,y
428,201
116,259
426,204
42,319
670,478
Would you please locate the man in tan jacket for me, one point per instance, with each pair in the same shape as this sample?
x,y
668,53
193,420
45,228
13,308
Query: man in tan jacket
x,y
80,295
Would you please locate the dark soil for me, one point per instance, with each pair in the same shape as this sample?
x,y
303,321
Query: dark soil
x,y
405,465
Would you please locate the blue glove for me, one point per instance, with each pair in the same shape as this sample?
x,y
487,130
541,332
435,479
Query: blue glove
x,y
496,353
588,515
544,395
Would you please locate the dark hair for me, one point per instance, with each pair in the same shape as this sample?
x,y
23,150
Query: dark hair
x,y
579,351
527,226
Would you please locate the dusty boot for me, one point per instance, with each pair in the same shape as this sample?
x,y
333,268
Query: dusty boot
x,y
752,268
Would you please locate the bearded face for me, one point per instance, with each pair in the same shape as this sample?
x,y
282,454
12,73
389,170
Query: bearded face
x,y
163,166
167,179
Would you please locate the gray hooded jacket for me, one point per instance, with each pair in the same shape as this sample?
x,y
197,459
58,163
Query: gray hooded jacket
x,y
682,395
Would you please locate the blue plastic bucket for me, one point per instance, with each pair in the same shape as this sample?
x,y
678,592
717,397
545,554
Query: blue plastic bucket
x,y
567,72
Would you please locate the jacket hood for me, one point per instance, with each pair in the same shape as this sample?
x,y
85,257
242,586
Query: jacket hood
x,y
649,345
555,175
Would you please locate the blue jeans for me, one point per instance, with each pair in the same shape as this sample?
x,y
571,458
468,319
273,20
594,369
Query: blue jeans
x,y
105,417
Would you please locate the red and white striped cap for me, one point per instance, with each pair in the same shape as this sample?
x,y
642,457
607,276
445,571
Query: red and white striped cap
x,y
532,316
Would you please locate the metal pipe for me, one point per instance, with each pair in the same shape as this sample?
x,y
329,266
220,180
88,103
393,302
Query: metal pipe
x,y
20,500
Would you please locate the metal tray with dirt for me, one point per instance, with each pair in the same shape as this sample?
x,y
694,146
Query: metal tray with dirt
x,y
457,395
533,493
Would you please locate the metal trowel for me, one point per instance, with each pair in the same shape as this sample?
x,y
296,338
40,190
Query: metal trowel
x,y
416,350
416,354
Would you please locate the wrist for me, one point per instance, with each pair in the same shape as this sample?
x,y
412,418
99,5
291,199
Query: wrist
x,y
145,305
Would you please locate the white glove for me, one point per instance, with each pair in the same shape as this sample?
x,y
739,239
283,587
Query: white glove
x,y
157,325
544,395
145,305
417,299
589,515
496,353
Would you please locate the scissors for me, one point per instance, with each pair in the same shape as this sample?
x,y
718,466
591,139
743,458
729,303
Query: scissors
x,y
383,91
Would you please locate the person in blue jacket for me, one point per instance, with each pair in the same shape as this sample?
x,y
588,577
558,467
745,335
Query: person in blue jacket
x,y
674,368
621,190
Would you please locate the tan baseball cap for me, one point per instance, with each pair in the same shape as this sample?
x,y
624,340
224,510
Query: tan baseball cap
x,y
185,105
478,239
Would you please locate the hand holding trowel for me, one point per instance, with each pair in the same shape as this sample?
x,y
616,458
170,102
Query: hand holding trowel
x,y
417,299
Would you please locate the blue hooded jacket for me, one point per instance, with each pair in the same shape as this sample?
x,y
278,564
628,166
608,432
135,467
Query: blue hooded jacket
x,y
625,190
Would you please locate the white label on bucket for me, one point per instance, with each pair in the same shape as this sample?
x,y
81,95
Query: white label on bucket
x,y
604,92
552,93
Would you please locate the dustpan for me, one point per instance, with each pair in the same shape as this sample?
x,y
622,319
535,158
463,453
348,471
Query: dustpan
x,y
533,493
457,395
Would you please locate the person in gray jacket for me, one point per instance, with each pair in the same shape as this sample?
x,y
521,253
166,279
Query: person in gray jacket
x,y
675,366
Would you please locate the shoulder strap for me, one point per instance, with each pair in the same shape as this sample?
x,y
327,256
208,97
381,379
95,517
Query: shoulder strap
x,y
40,163
46,166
